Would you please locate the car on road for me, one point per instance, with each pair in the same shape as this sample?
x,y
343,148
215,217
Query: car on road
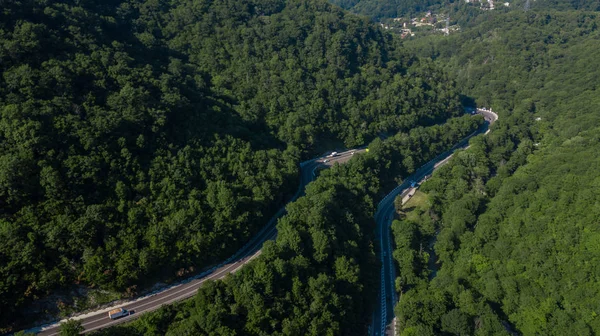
x,y
116,313
326,160
333,154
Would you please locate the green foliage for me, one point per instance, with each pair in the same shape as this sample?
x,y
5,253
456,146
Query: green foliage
x,y
320,276
407,254
71,328
522,60
466,14
516,213
589,5
143,140
455,322
380,9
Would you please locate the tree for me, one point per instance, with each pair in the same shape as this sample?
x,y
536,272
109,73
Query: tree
x,y
456,323
71,328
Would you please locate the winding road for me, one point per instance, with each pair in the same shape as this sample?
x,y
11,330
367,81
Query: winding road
x,y
383,320
383,316
99,319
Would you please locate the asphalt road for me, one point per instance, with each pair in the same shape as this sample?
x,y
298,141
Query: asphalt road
x,y
383,322
382,316
99,319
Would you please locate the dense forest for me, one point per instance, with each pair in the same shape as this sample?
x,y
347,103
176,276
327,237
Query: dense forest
x,y
566,5
538,58
466,14
380,9
505,239
320,276
143,140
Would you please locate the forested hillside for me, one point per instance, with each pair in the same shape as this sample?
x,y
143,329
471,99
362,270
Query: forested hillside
x,y
538,58
144,139
320,277
588,5
379,9
466,14
513,220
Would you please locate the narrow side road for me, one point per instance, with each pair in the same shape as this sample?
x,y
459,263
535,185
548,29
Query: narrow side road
x,y
383,321
99,319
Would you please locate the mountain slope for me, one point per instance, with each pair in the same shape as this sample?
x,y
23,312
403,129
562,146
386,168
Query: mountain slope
x,y
511,221
144,140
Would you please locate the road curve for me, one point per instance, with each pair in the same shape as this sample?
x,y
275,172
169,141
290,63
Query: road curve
x,y
383,320
188,288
